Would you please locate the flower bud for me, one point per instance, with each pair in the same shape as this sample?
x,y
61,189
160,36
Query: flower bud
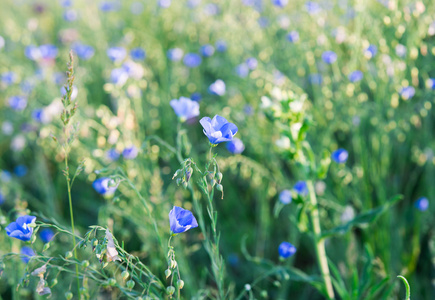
x,y
130,284
219,187
85,263
46,246
53,282
125,275
219,176
112,282
68,295
168,273
170,290
68,255
173,264
180,284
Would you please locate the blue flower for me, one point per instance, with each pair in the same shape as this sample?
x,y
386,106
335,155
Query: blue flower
x,y
430,83
301,188
32,52
221,46
236,146
83,51
280,3
26,253
356,76
66,3
196,96
217,88
252,63
285,197
46,235
181,220
130,152
407,92
329,57
112,154
315,79
242,70
218,129
286,250
312,7
185,108
118,76
70,15
9,78
116,53
175,54
48,51
192,60
2,198
40,116
5,176
20,229
17,102
107,6
165,3
340,156
20,170
207,50
371,51
101,185
422,204
138,53
293,36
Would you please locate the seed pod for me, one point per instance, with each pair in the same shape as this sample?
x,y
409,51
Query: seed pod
x,y
170,290
68,255
219,187
85,263
53,282
46,246
168,273
112,281
125,275
219,176
68,295
130,284
180,284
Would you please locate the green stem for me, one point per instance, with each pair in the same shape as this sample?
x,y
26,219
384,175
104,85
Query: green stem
x,y
319,242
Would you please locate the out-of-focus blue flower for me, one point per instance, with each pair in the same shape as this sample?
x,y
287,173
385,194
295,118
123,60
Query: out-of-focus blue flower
x,y
248,109
185,108
236,146
193,3
116,54
301,188
40,116
130,152
74,93
422,204
252,63
286,250
2,198
9,78
293,36
5,176
175,54
407,92
285,197
70,15
32,52
46,235
83,51
207,50
371,51
138,53
329,57
118,76
315,79
112,154
48,51
340,156
101,185
221,46
20,170
108,6
26,254
242,70
233,260
22,228
66,3
165,3
430,83
280,3
218,129
17,102
211,9
217,88
356,76
181,220
192,60
27,86
312,7
196,97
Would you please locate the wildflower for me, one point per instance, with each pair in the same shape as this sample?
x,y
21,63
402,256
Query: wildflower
x,y
196,96
41,289
221,46
116,54
18,143
218,129
112,154
130,152
138,53
301,188
46,235
242,70
371,51
207,50
22,228
192,60
118,76
17,102
340,156
32,52
101,185
280,3
20,170
48,51
2,198
70,15
252,63
175,54
285,197
312,7
407,92
26,254
211,9
356,76
286,250
107,6
430,83
9,78
293,36
83,51
133,69
217,88
40,116
422,204
181,220
185,108
236,146
315,79
329,57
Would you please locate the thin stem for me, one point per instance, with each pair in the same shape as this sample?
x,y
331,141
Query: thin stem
x,y
319,242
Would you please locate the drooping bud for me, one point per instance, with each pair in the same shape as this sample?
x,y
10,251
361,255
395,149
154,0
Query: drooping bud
x,y
68,295
125,275
68,255
170,290
180,284
168,273
130,284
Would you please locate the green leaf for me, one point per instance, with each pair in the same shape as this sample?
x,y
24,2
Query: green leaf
x,y
363,219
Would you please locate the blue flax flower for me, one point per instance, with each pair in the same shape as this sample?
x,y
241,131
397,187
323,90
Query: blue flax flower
x,y
280,3
26,253
340,156
20,229
116,53
236,146
130,152
221,46
293,36
138,53
192,60
83,51
286,250
329,57
46,235
252,63
112,154
217,88
9,78
301,188
422,204
17,102
101,185
20,170
185,108
181,220
175,54
207,50
356,76
407,92
218,129
242,70
285,197
371,51
2,198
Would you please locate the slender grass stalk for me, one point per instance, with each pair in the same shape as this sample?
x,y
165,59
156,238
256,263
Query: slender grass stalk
x,y
319,242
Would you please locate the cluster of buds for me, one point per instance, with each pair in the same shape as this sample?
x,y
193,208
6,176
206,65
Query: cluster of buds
x,y
184,174
172,267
